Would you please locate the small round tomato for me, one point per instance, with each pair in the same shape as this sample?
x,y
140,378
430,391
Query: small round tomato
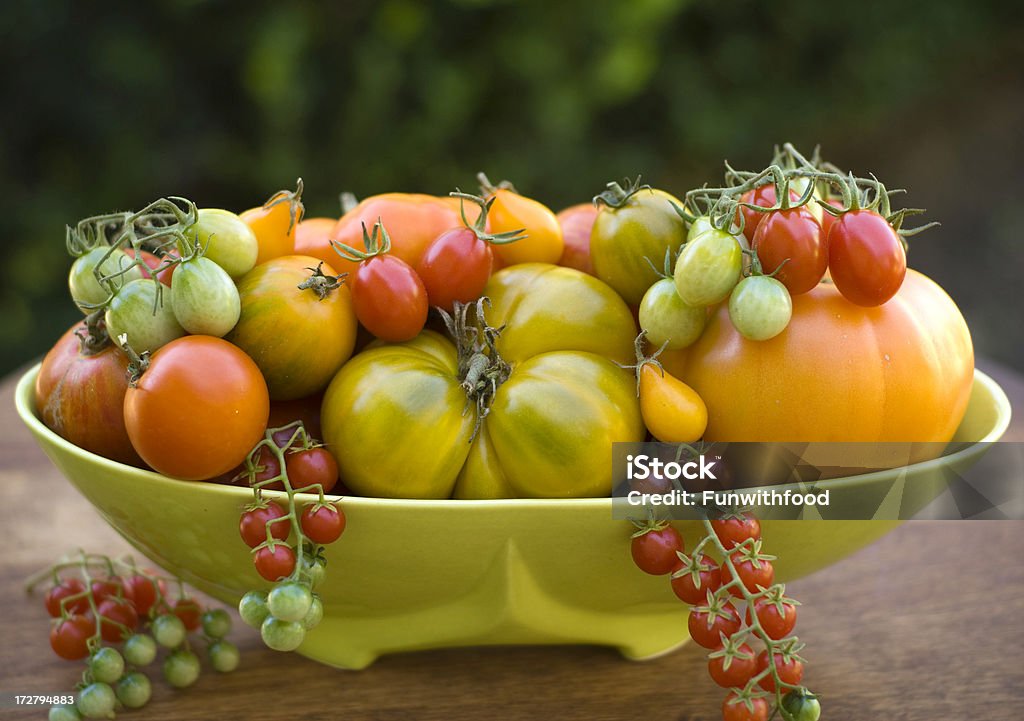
x,y
708,268
737,709
142,590
511,212
275,222
667,319
706,628
105,588
311,467
148,321
253,524
790,246
189,612
289,601
760,307
751,574
739,670
204,298
282,635
695,591
181,668
577,221
80,392
297,322
227,408
227,241
735,529
69,638
455,267
322,524
134,690
118,619
763,196
632,231
789,669
866,258
655,551
776,618
96,700
802,706
65,589
114,266
274,562
672,411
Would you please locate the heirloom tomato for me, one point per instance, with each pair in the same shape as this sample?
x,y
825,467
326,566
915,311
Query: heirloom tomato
x,y
511,212
313,233
631,233
296,322
577,222
80,395
423,418
901,372
198,408
275,222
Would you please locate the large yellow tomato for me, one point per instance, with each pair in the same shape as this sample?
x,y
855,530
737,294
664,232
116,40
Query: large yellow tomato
x,y
900,372
414,420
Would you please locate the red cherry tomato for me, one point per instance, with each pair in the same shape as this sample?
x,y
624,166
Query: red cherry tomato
x,y
654,552
69,638
709,578
751,575
274,563
791,242
733,531
790,670
118,619
764,197
66,588
741,668
734,709
707,630
777,624
253,524
866,258
310,467
455,267
142,590
108,588
322,524
389,299
189,611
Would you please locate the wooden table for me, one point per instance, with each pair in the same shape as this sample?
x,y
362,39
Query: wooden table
x,y
928,623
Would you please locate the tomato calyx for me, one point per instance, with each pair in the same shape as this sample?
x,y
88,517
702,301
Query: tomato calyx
x,y
377,243
479,228
642,359
93,337
296,210
321,283
616,196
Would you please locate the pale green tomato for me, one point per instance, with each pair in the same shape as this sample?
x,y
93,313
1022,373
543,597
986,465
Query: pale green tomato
x,y
134,690
315,615
181,668
224,656
701,225
82,281
228,240
667,319
216,623
168,630
64,713
282,635
708,268
140,650
760,307
253,608
135,312
106,665
289,601
96,701
204,298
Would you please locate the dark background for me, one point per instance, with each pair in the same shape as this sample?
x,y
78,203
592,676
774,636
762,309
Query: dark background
x,y
111,105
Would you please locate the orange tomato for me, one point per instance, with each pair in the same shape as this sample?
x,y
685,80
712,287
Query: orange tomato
x,y
198,409
576,222
543,242
900,372
314,233
275,222
672,411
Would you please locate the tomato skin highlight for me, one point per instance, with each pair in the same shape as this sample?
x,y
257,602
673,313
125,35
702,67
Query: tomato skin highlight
x,y
867,261
81,397
389,298
790,245
455,267
198,409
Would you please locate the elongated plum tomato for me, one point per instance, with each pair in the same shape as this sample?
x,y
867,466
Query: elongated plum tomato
x,y
148,320
297,323
672,411
629,238
867,260
789,244
511,212
198,409
399,416
763,196
708,268
204,298
577,222
227,240
275,222
667,319
80,393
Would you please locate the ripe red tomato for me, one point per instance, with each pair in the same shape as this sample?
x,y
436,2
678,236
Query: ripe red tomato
x,y
69,638
80,394
118,619
777,624
734,530
274,563
741,668
455,267
311,467
189,611
322,524
866,258
64,589
751,575
654,552
709,578
763,196
198,409
142,590
791,242
790,670
707,628
253,524
105,588
735,709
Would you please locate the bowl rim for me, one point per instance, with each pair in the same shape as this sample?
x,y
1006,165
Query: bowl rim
x,y
24,400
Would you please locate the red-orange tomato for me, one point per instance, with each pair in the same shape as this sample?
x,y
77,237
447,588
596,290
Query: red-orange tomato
x,y
198,409
413,220
275,222
314,233
543,242
80,397
576,222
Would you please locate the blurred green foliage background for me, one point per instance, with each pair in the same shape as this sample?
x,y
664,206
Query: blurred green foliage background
x,y
110,105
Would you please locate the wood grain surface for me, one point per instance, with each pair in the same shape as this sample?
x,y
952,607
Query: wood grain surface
x,y
926,624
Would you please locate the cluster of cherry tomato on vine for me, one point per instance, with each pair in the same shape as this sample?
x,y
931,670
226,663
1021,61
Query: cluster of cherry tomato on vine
x,y
745,575
117,617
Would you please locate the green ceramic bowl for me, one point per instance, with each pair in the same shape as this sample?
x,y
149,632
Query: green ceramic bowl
x,y
411,575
